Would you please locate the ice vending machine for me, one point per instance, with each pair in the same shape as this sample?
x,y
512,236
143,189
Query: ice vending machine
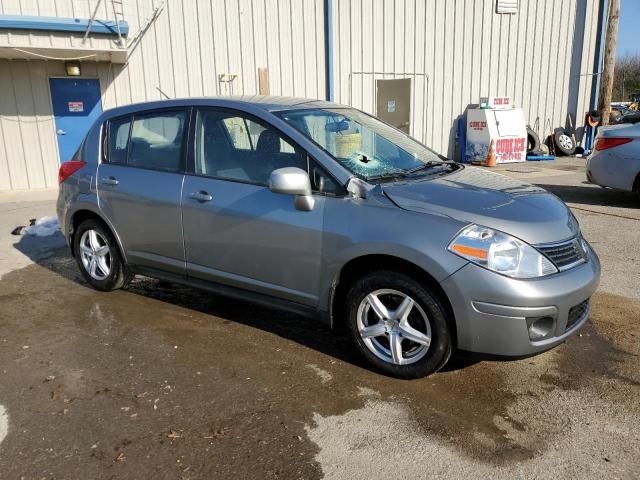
x,y
498,120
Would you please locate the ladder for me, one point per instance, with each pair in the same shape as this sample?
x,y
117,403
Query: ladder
x,y
118,16
117,8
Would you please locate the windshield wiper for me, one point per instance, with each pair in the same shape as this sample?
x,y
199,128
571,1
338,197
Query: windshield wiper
x,y
405,173
427,165
389,176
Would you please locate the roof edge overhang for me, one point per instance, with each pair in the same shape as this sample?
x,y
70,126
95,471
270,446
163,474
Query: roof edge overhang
x,y
63,24
80,54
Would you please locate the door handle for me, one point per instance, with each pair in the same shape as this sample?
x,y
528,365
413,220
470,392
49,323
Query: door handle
x,y
201,196
109,181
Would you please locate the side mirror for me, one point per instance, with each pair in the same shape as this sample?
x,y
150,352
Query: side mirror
x,y
293,181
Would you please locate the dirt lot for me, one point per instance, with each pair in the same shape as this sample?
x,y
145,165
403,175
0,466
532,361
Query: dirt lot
x,y
159,381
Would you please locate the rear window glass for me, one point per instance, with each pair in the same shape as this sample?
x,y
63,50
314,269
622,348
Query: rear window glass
x,y
119,140
156,141
152,140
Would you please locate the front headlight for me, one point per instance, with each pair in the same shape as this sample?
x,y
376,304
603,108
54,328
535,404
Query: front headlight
x,y
501,253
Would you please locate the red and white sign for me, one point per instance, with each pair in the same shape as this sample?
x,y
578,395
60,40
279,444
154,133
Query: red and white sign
x,y
510,149
495,102
76,106
477,125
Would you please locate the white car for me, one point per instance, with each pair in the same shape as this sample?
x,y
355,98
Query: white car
x,y
615,161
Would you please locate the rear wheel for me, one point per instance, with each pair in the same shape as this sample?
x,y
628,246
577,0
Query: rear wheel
x,y
398,325
98,256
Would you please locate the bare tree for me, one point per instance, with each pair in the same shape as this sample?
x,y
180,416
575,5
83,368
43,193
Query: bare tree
x,y
627,77
609,61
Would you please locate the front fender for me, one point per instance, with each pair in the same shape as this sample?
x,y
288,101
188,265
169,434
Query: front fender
x,y
355,229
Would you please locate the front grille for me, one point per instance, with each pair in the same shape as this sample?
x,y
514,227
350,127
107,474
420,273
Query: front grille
x,y
577,313
564,255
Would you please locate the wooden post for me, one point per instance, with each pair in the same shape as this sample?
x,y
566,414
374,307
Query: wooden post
x,y
606,80
263,81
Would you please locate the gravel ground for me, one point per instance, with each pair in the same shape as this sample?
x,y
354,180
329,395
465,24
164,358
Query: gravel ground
x,y
160,381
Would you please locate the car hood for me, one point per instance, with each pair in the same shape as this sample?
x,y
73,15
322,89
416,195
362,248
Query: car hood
x,y
472,195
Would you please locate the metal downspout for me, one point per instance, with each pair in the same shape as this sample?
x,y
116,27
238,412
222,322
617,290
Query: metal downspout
x,y
328,49
602,31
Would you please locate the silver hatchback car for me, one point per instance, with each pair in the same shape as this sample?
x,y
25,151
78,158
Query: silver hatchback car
x,y
324,210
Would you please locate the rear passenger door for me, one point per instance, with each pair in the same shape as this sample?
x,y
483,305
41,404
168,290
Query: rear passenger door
x,y
236,231
139,185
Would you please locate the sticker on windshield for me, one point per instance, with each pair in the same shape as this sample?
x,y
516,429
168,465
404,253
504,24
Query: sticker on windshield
x,y
391,106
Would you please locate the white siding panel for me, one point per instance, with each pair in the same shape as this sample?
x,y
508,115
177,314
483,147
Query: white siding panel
x,y
44,122
28,152
466,51
454,51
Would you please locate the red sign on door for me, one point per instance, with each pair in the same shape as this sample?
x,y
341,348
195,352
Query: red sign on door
x,y
76,107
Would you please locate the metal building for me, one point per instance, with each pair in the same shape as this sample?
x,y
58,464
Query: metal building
x,y
62,62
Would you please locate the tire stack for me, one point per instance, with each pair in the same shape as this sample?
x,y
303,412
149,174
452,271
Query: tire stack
x,y
534,146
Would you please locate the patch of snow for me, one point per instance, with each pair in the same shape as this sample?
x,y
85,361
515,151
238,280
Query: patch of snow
x,y
44,227
4,423
367,392
325,376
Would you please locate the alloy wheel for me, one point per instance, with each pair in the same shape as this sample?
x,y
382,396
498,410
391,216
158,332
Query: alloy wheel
x,y
95,254
394,327
565,142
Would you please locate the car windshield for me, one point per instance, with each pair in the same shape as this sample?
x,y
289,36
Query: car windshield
x,y
364,145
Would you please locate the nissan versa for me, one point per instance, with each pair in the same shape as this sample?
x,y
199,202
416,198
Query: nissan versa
x,y
322,209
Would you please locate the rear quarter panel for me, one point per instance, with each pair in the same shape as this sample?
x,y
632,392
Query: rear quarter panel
x,y
617,167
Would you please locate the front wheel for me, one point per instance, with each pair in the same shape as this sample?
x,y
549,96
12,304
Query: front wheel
x,y
98,256
398,325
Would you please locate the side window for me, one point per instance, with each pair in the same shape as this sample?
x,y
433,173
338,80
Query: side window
x,y
322,182
156,140
234,147
244,134
118,140
80,151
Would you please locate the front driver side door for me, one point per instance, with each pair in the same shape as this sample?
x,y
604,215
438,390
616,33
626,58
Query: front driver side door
x,y
236,231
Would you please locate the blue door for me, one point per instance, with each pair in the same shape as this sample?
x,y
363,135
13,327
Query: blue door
x,y
76,105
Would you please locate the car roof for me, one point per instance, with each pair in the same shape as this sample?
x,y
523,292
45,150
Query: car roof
x,y
268,103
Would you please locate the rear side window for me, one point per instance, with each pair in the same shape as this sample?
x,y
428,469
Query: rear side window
x,y
151,140
119,140
79,152
156,141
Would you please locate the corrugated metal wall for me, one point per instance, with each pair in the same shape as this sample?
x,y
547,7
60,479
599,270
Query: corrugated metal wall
x,y
182,54
453,50
456,51
53,8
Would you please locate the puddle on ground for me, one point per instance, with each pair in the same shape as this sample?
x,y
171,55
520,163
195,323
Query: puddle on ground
x,y
179,380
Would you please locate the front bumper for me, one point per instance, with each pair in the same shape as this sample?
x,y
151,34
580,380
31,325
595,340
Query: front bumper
x,y
492,310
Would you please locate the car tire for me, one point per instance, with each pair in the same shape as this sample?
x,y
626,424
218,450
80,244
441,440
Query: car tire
x,y
533,141
564,142
98,256
383,330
